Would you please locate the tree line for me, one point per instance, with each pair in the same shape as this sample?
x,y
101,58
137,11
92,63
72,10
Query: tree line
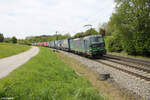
x,y
7,40
47,38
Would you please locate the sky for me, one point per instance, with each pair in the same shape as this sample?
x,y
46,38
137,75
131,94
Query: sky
x,y
23,18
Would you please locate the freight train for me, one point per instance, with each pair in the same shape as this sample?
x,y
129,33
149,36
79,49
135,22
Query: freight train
x,y
92,45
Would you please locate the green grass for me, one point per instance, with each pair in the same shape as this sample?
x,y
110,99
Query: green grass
x,y
11,49
46,77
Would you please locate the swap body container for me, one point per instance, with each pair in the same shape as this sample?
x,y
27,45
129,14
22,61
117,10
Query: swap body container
x,y
65,43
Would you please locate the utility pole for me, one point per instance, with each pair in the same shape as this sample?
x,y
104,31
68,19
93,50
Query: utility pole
x,y
56,35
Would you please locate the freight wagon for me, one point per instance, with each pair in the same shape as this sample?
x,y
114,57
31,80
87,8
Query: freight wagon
x,y
65,44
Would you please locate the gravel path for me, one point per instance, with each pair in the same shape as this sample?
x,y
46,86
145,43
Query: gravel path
x,y
9,64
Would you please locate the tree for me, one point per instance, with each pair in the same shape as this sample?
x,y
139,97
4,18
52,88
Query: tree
x,y
1,37
132,21
91,31
105,27
14,39
102,31
77,35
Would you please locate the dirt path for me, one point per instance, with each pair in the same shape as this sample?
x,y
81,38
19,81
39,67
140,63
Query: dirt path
x,y
8,64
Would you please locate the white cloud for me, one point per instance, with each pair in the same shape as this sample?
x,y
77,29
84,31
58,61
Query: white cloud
x,y
23,18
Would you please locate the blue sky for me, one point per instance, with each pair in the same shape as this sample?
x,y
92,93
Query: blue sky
x,y
23,18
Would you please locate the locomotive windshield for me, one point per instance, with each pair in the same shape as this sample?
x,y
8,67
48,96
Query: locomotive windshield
x,y
97,40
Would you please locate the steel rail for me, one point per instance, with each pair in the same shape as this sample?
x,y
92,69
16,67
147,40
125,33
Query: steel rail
x,y
132,60
130,66
123,70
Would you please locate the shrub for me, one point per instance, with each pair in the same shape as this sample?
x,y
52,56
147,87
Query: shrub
x,y
129,47
14,39
113,44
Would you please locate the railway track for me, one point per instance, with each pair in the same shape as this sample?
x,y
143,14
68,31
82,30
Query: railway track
x,y
144,63
139,70
128,64
123,66
126,71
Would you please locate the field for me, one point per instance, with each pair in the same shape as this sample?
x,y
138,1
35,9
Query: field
x,y
46,77
11,49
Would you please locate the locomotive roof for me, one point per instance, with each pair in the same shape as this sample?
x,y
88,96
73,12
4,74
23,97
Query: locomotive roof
x,y
86,37
92,36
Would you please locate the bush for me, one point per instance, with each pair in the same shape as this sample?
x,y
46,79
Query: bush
x,y
142,43
138,45
129,47
107,38
113,44
14,39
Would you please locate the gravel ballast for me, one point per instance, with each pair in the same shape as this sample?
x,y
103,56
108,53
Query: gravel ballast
x,y
131,83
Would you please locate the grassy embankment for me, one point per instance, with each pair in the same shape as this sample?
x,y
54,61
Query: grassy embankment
x,y
110,90
11,49
123,53
46,77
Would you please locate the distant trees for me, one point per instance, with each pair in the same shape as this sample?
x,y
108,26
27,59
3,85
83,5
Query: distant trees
x,y
14,39
80,34
44,38
91,31
8,40
1,37
11,40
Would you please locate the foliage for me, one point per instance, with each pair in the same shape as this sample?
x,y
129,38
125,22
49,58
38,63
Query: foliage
x,y
132,21
46,77
91,31
105,27
11,49
113,43
23,42
1,37
14,39
102,31
45,38
7,40
77,35
107,39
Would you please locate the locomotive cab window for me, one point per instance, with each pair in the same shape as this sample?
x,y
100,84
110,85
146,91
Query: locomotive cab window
x,y
97,40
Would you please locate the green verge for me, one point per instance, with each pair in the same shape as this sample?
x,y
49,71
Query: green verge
x,y
11,49
46,77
